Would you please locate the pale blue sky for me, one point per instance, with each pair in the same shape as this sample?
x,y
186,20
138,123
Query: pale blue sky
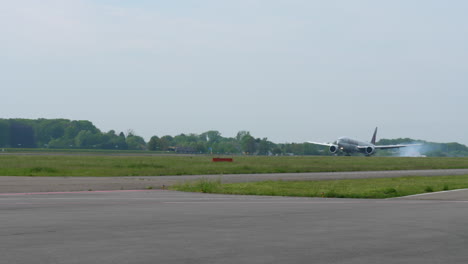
x,y
290,70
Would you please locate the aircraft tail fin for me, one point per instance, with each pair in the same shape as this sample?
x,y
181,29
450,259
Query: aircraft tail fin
x,y
374,137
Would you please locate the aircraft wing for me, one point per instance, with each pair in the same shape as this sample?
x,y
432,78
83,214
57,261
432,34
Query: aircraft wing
x,y
396,146
323,144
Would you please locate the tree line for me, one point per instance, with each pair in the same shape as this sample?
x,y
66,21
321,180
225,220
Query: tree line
x,y
211,142
82,134
63,134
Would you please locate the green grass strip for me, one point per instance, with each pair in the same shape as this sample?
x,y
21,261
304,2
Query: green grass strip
x,y
358,188
107,165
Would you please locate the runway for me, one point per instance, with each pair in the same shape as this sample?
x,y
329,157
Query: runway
x,y
18,184
173,227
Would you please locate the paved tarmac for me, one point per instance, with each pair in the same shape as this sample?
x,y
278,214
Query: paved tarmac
x,y
173,227
453,195
48,184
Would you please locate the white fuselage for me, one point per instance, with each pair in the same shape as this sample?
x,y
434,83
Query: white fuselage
x,y
350,145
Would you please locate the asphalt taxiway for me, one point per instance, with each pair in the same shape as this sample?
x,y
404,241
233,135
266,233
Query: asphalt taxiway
x,y
42,222
48,184
174,227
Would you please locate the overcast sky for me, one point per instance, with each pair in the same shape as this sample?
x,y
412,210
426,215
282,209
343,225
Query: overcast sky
x,y
289,70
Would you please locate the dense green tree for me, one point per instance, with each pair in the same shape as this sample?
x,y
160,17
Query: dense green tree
x,y
136,142
22,135
166,142
153,144
248,144
264,147
61,143
118,142
75,127
211,137
241,134
89,140
49,129
199,147
4,133
277,151
310,149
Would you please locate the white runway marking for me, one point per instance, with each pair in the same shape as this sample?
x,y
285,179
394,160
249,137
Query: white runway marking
x,y
432,193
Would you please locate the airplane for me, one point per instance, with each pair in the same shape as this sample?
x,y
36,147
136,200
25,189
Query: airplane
x,y
349,145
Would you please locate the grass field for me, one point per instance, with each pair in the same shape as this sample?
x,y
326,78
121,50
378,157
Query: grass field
x,y
130,165
358,188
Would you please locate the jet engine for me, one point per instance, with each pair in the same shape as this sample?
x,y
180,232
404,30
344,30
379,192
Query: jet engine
x,y
333,149
370,150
